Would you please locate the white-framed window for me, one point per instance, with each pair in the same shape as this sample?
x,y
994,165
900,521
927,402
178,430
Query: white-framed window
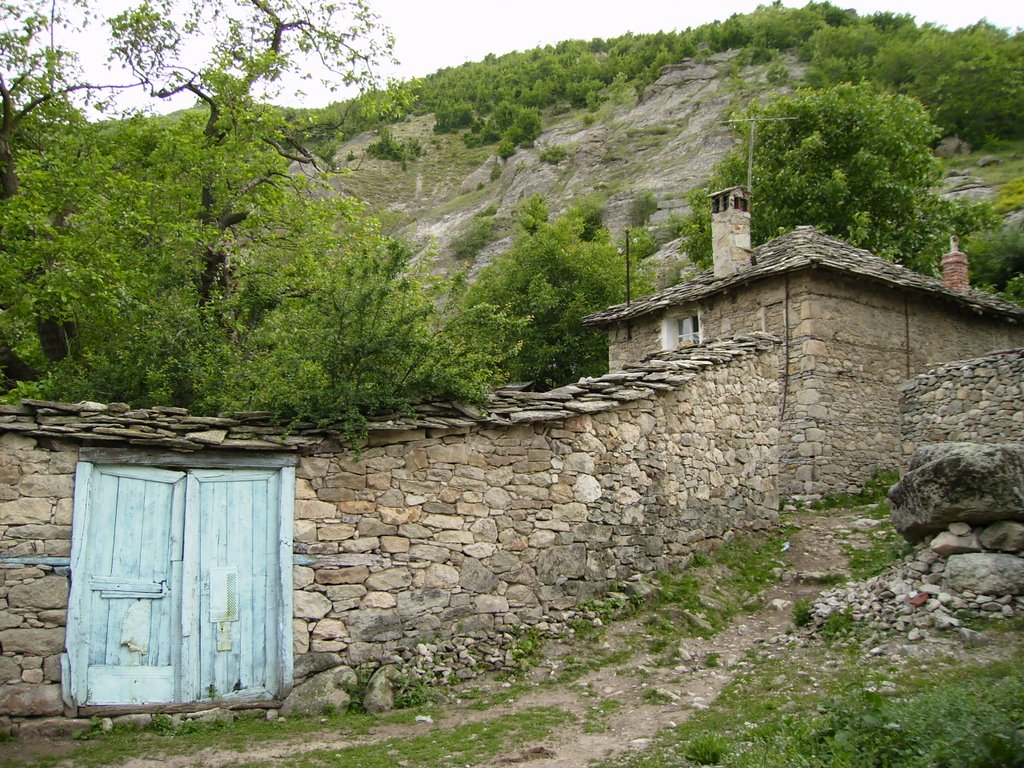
x,y
680,330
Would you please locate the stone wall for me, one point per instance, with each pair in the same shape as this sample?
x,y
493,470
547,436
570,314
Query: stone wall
x,y
462,523
978,400
36,487
487,529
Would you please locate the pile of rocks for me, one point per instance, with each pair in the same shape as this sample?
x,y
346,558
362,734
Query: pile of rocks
x,y
927,591
964,504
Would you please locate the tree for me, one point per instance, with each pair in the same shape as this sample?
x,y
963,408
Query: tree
x,y
851,161
196,262
244,149
555,273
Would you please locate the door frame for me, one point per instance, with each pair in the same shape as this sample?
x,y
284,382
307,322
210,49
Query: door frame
x,y
73,672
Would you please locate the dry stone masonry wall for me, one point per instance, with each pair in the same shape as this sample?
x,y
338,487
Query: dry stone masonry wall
x,y
36,487
979,400
488,529
961,500
447,533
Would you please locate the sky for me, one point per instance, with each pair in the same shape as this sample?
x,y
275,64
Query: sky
x,y
431,34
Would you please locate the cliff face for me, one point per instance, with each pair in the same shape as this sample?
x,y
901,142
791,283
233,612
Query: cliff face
x,y
663,143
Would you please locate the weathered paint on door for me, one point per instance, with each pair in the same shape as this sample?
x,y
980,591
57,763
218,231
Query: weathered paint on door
x,y
180,585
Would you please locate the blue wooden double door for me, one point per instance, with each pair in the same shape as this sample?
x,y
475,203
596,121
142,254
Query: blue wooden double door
x,y
181,585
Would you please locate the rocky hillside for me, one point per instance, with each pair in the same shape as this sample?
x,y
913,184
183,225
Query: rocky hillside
x,y
454,204
664,142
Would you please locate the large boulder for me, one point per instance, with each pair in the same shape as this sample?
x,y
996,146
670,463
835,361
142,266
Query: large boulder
x,y
321,694
379,695
949,482
986,573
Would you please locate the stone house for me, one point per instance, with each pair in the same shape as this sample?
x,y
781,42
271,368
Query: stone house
x,y
853,326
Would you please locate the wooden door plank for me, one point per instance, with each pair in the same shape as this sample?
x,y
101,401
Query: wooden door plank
x,y
285,521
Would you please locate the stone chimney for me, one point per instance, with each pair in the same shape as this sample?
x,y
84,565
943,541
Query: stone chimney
x,y
730,230
954,268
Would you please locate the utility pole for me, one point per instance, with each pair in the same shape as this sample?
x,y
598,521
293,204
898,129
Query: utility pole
x,y
628,275
750,149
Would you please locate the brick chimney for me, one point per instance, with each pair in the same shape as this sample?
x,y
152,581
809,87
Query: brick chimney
x,y
730,230
954,268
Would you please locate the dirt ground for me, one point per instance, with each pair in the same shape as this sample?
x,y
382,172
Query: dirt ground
x,y
815,550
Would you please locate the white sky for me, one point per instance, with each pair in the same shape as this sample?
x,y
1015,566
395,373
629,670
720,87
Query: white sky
x,y
431,34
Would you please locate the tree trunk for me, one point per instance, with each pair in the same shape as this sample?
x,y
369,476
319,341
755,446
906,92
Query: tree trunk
x,y
13,369
56,338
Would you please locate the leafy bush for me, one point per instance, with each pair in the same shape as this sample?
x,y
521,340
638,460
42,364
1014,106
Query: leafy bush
x,y
387,147
802,612
478,233
644,205
554,154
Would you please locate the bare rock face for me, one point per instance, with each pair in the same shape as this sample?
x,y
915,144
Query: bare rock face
x,y
967,482
989,573
321,694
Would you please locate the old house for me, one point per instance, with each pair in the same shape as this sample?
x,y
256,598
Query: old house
x,y
854,328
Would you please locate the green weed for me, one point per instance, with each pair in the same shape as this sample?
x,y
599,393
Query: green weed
x,y
654,696
873,492
596,720
707,749
803,612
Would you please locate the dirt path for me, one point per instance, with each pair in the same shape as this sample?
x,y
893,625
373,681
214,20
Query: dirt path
x,y
646,694
706,666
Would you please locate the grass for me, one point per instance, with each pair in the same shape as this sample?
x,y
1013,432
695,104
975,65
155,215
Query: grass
x,y
466,744
873,492
1009,167
816,711
596,720
703,599
98,749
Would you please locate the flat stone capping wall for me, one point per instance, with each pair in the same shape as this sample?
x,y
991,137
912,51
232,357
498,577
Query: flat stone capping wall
x,y
461,524
979,400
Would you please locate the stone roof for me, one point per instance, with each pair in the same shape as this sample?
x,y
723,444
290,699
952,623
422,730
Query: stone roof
x,y
117,424
805,248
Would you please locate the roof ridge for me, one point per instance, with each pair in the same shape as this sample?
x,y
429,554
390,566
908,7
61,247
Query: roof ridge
x,y
805,246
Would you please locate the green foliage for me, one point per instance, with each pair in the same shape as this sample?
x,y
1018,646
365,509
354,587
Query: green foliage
x,y
971,80
554,154
180,261
997,261
853,162
527,649
803,612
707,749
1011,196
553,275
644,205
387,147
837,625
480,231
415,691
